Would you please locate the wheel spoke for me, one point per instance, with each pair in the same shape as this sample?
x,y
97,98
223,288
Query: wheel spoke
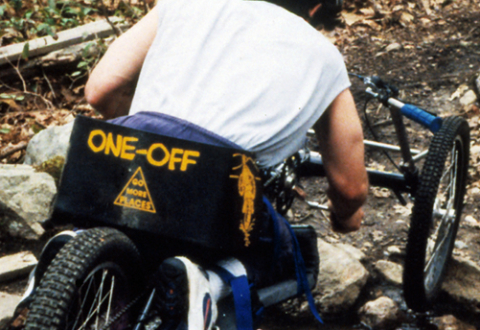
x,y
104,274
112,286
95,311
92,291
83,304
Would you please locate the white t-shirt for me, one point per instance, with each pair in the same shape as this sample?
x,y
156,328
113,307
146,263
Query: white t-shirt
x,y
249,71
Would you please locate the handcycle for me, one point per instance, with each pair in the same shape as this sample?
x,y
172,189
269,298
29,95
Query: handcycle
x,y
94,277
437,191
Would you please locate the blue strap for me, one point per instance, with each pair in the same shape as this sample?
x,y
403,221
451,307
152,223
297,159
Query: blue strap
x,y
276,235
241,298
300,270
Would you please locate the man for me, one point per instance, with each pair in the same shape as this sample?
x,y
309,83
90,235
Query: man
x,y
250,73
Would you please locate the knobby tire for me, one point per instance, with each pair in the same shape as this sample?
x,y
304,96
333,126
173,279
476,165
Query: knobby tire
x,y
429,247
99,267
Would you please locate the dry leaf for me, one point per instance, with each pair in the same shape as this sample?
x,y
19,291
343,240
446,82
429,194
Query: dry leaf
x,y
381,192
351,18
369,12
393,47
11,103
403,210
406,19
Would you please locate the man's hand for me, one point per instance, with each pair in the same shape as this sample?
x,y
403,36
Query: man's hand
x,y
345,224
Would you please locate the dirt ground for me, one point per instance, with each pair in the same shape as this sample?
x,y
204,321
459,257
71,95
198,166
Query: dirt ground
x,y
427,58
430,60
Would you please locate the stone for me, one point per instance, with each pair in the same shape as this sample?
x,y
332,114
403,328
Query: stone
x,y
352,251
380,313
340,280
462,282
16,265
25,200
471,221
459,92
468,98
394,250
8,302
461,245
391,271
49,143
475,153
377,236
450,322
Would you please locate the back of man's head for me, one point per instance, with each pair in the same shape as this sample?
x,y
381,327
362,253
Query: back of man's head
x,y
323,13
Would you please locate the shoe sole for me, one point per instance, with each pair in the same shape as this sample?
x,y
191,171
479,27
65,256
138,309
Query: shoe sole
x,y
173,289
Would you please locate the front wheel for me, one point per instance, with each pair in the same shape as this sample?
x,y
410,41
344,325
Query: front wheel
x,y
90,284
436,213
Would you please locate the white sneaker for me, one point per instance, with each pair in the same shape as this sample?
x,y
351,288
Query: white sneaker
x,y
184,296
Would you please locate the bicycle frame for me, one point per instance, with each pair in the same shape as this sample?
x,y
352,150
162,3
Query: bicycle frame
x,y
407,180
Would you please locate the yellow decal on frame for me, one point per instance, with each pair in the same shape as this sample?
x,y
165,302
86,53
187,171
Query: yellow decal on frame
x,y
248,191
135,194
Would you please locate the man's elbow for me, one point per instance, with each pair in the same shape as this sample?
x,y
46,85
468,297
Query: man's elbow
x,y
92,94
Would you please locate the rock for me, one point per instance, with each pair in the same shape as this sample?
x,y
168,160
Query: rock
x,y
461,282
475,153
53,166
16,265
379,314
471,221
340,280
48,143
25,199
459,92
393,47
391,271
377,236
468,98
352,251
461,245
394,250
449,322
8,302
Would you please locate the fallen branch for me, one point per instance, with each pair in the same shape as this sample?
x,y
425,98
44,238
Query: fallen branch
x,y
9,150
44,45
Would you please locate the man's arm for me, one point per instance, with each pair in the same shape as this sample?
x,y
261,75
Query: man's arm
x,y
340,136
111,85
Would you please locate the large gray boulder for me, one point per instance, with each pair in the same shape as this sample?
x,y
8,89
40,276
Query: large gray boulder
x,y
48,144
341,279
25,200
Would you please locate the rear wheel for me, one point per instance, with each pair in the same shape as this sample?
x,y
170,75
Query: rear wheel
x,y
436,213
91,284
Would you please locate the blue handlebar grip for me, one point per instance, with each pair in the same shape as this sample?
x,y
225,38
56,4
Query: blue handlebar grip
x,y
422,117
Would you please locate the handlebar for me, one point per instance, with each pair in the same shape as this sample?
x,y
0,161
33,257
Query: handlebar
x,y
387,94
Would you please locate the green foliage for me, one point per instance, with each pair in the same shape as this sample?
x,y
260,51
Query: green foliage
x,y
15,97
25,51
25,20
90,56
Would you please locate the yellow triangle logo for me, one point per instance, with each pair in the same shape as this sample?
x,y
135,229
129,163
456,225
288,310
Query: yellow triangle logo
x,y
135,194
